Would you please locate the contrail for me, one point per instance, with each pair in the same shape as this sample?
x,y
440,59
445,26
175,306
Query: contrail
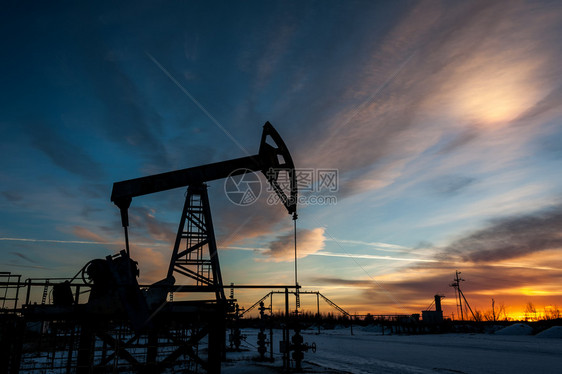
x,y
332,254
31,240
367,256
199,105
56,241
246,248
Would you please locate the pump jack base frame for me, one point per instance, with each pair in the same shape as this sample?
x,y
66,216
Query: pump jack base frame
x,y
184,335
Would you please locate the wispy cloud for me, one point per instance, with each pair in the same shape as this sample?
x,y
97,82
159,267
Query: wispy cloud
x,y
283,247
511,237
237,224
103,242
21,255
380,246
12,196
371,257
253,249
55,241
289,251
145,220
12,265
152,254
94,238
515,201
62,152
459,82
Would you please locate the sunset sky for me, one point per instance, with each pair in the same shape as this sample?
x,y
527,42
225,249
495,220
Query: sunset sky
x,y
442,119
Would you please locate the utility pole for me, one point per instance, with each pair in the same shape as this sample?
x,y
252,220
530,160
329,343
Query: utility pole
x,y
460,295
456,286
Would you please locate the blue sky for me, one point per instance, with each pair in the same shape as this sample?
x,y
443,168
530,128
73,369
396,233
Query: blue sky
x,y
443,119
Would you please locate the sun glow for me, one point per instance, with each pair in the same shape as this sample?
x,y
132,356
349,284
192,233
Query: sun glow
x,y
494,96
527,291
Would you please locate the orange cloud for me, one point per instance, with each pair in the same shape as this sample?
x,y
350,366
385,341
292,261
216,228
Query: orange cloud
x,y
153,264
283,248
152,261
143,219
84,233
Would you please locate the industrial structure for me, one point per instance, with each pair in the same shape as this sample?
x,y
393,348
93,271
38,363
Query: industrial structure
x,y
124,326
433,316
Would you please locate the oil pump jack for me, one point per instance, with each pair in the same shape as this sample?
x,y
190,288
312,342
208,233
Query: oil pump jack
x,y
114,288
196,227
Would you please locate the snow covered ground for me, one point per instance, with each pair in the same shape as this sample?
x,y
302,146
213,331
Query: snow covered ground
x,y
368,351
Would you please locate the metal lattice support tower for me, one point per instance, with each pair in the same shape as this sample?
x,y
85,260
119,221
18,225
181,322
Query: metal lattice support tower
x,y
195,250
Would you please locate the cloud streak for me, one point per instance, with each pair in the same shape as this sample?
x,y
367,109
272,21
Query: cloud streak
x,y
21,255
63,153
459,82
283,247
511,238
55,241
371,257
